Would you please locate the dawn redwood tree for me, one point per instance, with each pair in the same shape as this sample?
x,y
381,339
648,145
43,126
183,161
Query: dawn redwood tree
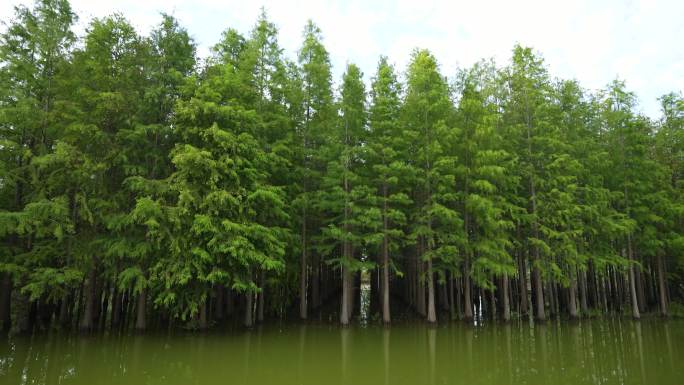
x,y
486,184
385,171
343,192
169,58
34,59
426,115
318,117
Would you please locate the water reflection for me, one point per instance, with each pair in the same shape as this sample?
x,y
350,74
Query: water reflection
x,y
611,351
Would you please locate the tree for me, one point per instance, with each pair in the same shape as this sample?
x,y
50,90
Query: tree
x,y
318,116
426,113
385,166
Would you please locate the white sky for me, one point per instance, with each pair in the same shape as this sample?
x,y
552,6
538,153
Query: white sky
x,y
641,42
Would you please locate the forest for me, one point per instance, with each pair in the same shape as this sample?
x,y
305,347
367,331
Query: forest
x,y
143,187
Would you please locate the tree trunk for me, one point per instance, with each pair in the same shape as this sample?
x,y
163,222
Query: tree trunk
x,y
522,278
302,275
346,289
5,302
260,305
641,298
572,301
583,292
203,322
385,280
315,282
141,311
89,301
432,315
662,291
632,284
219,302
506,299
249,308
538,293
467,296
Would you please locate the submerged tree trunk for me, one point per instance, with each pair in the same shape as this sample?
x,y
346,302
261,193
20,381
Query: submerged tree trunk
x,y
89,301
632,285
538,294
584,308
302,274
662,290
260,304
203,322
141,311
431,313
5,302
522,274
249,305
506,299
572,300
219,302
346,289
467,296
315,282
385,263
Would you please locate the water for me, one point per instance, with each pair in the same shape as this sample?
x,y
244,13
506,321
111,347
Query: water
x,y
609,351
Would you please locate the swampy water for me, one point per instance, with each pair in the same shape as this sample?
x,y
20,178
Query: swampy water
x,y
599,351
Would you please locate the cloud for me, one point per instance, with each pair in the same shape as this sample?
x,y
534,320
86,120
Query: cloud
x,y
591,41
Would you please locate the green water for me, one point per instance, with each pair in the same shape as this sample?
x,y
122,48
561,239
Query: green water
x,y
609,351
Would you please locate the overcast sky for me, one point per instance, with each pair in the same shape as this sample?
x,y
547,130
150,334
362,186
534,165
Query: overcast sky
x,y
641,42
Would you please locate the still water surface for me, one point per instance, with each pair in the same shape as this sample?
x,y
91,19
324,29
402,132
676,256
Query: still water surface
x,y
607,351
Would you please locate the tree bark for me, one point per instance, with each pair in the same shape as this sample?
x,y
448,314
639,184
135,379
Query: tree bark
x,y
249,308
385,262
467,296
662,290
583,292
203,322
141,311
572,301
5,302
262,298
506,299
522,278
538,293
89,301
432,315
632,285
302,275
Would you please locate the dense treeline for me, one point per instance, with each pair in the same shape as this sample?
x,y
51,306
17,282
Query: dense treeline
x,y
141,187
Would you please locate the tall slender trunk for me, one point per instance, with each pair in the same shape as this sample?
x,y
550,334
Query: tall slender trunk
x,y
385,260
632,285
260,304
203,321
662,290
249,309
467,295
506,299
431,313
344,311
141,311
583,291
5,302
89,301
219,302
538,293
116,308
315,282
452,305
522,287
302,275
572,300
